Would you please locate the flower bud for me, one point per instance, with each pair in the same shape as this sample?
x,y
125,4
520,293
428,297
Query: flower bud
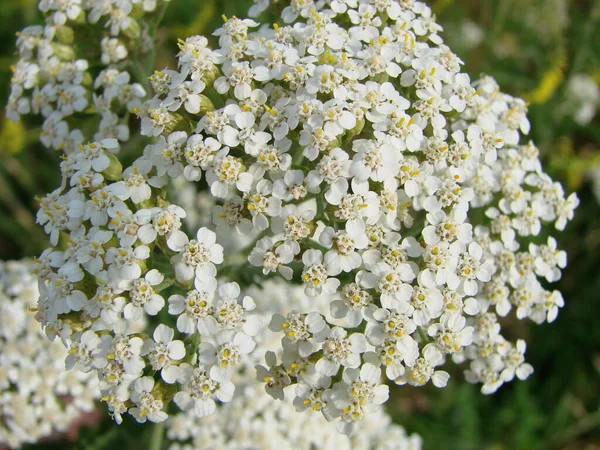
x,y
63,52
147,204
87,81
65,35
211,75
137,10
133,30
115,170
350,134
81,18
206,105
326,57
176,122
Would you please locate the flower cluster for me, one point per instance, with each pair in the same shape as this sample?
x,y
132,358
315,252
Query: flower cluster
x,y
37,395
377,173
58,79
254,420
105,294
362,165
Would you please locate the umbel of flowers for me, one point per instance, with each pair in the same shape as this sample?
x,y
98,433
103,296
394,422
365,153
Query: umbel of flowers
x,y
366,167
37,395
254,420
77,71
122,279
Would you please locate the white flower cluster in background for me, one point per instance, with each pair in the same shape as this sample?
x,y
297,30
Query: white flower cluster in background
x,y
253,420
106,293
37,395
55,78
582,99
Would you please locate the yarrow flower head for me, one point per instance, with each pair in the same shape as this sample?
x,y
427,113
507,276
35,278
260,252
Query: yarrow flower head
x,y
111,274
253,419
54,80
357,160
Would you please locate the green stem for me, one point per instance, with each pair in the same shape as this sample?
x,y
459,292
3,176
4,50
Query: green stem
x,y
314,244
140,75
156,438
152,33
141,69
423,335
298,157
321,215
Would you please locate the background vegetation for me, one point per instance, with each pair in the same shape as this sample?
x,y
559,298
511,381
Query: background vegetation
x,y
533,48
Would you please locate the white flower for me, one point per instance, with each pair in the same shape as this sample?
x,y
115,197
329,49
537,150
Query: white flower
x,y
223,352
359,393
275,378
200,391
90,254
487,372
33,378
231,313
293,185
226,171
199,153
339,349
471,267
552,301
148,405
447,227
197,257
450,333
262,204
364,384
295,223
167,154
240,75
343,256
272,258
195,311
144,297
374,160
426,301
496,292
163,353
299,328
138,185
424,369
81,354
113,50
370,169
186,93
548,260
315,276
124,262
230,215
246,134
514,363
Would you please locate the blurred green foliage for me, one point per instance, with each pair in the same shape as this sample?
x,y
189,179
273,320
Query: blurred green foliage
x,y
532,48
